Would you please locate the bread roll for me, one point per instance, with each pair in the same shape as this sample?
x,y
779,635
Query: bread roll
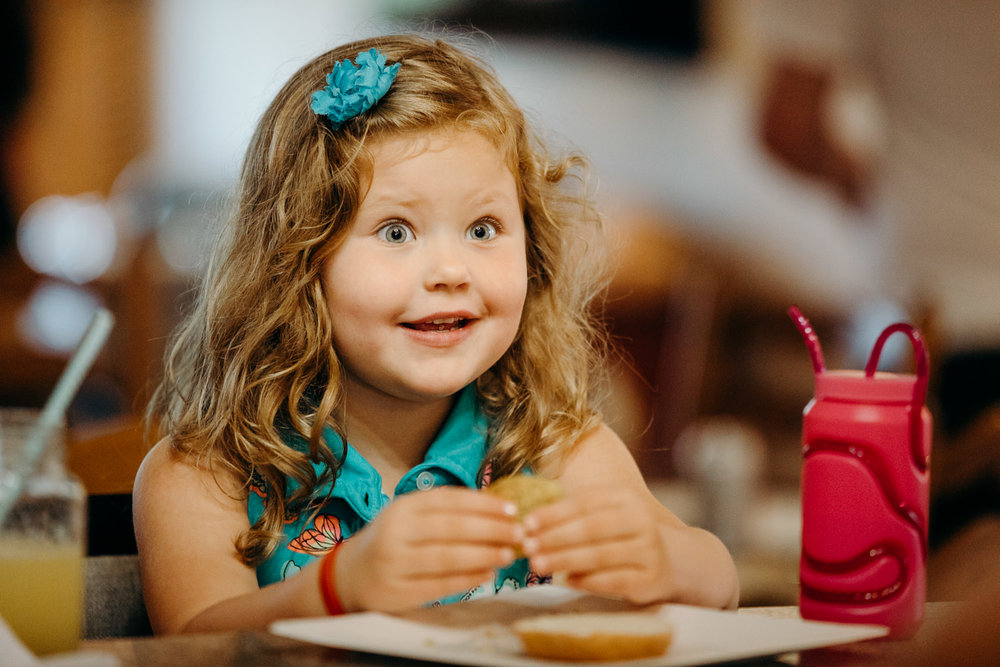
x,y
594,636
528,492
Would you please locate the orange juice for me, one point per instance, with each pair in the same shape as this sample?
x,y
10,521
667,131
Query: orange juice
x,y
41,591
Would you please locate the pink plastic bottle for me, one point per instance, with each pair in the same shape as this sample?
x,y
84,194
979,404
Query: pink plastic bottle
x,y
866,441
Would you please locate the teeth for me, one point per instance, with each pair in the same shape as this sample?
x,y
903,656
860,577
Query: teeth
x,y
438,324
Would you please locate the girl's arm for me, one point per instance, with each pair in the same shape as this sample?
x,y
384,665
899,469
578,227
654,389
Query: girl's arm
x,y
611,536
186,523
423,546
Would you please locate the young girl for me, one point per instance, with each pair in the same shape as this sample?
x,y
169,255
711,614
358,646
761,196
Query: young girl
x,y
398,312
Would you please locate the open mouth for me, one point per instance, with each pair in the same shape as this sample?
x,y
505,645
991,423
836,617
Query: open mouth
x,y
444,324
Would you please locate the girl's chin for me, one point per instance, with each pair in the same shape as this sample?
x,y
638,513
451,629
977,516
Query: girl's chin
x,y
432,393
422,392
420,383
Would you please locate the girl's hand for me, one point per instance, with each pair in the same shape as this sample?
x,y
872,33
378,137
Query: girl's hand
x,y
609,535
606,540
424,546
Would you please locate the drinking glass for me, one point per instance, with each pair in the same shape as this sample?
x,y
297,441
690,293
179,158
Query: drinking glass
x,y
42,541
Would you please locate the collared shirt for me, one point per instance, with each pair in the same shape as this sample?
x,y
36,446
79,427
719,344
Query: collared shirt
x,y
453,459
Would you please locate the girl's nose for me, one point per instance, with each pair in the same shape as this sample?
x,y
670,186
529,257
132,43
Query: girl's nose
x,y
447,266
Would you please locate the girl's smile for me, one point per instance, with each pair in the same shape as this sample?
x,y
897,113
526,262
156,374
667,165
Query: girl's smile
x,y
426,291
442,329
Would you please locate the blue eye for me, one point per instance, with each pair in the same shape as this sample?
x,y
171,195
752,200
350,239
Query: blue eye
x,y
395,232
483,230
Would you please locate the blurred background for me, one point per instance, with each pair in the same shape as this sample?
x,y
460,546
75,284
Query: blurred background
x,y
841,156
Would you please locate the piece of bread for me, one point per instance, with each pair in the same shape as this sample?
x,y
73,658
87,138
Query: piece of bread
x,y
528,492
594,636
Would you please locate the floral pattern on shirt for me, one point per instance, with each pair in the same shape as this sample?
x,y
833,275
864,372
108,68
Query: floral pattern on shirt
x,y
324,536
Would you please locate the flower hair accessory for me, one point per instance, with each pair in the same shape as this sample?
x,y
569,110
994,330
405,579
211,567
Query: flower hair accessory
x,y
353,89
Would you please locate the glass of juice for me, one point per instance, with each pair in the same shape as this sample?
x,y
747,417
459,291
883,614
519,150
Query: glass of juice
x,y
42,542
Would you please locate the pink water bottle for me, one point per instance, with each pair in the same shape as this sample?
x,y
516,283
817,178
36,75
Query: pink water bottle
x,y
866,440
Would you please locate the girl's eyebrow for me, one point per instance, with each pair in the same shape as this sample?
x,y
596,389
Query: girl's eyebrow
x,y
388,199
493,195
482,198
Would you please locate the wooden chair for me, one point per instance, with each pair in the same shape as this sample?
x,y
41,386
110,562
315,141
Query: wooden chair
x,y
105,457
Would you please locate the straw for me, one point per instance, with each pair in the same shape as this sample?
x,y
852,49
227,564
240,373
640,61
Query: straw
x,y
812,340
55,407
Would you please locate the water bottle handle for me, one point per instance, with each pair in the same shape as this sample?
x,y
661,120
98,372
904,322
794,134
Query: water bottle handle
x,y
919,387
919,353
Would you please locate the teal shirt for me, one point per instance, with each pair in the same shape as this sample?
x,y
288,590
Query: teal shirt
x,y
453,459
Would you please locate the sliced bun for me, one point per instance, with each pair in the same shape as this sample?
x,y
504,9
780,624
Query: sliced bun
x,y
595,636
526,491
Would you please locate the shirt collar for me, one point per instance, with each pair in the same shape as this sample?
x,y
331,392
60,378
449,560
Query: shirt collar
x,y
453,458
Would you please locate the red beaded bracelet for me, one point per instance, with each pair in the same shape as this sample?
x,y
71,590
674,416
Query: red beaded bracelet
x,y
327,582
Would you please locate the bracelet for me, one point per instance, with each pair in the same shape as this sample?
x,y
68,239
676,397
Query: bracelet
x,y
327,582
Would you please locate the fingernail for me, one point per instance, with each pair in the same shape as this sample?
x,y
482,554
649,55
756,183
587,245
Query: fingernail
x,y
510,509
530,523
529,545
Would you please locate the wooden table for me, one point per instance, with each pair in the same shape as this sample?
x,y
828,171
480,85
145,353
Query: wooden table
x,y
263,648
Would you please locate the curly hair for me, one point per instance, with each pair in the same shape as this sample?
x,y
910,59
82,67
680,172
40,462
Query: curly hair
x,y
255,356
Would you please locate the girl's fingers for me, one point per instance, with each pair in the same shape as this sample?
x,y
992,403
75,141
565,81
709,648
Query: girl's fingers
x,y
609,534
584,506
586,530
630,569
418,591
440,559
621,583
451,515
450,499
594,556
458,523
573,523
458,527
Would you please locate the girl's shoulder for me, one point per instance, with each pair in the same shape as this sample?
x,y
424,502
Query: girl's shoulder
x,y
165,470
164,461
160,462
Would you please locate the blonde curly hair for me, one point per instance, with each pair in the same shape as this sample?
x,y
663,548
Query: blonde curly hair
x,y
255,357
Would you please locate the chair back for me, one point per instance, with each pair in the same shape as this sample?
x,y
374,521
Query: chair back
x,y
113,604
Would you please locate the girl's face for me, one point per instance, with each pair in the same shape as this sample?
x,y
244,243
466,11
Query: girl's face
x,y
427,288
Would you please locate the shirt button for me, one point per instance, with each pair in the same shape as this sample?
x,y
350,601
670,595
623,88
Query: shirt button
x,y
425,480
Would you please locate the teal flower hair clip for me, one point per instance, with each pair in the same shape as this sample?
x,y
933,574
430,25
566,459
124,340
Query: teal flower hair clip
x,y
353,89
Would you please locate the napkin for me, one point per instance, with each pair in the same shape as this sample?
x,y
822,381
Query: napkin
x,y
16,654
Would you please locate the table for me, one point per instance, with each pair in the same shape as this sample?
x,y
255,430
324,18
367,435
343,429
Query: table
x,y
263,648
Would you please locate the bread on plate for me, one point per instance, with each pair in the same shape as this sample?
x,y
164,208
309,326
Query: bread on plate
x,y
594,636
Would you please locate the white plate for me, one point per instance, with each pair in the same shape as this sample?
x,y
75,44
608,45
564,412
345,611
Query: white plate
x,y
701,636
